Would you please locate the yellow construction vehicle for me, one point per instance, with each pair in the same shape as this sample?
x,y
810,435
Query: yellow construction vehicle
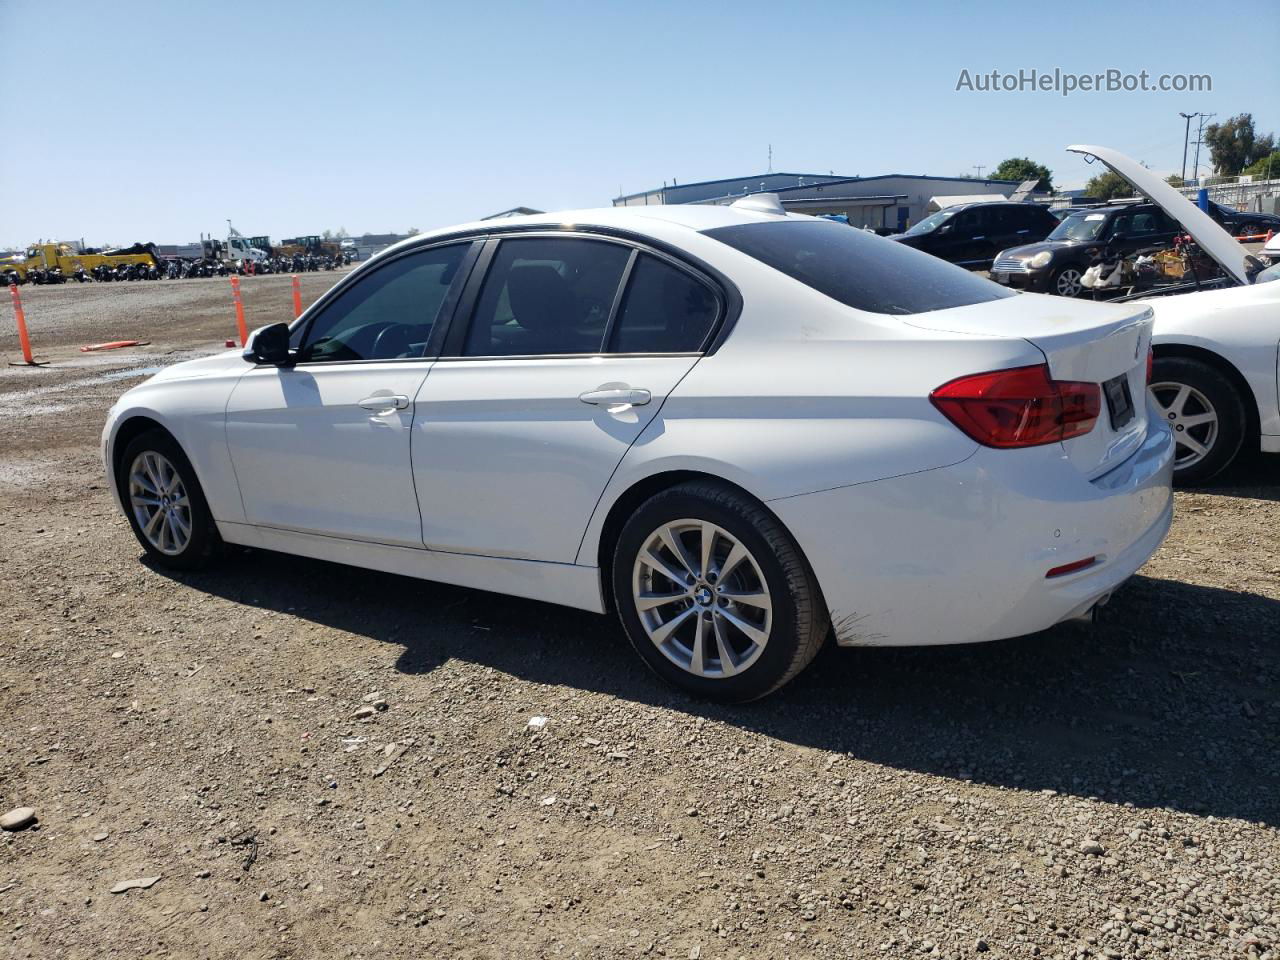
x,y
44,260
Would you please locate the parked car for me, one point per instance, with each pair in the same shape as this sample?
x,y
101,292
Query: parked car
x,y
1216,351
740,430
1240,223
1270,252
1057,263
970,234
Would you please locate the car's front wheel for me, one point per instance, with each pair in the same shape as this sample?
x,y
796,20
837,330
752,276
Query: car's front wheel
x,y
165,504
1065,282
1205,413
714,594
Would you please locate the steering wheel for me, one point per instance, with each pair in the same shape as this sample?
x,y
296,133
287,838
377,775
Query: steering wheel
x,y
392,341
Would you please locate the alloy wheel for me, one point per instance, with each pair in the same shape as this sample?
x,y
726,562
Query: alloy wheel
x,y
160,503
1068,283
702,598
1192,418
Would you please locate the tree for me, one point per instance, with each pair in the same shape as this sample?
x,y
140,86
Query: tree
x,y
328,235
1108,186
1265,168
1234,145
1023,168
1174,180
414,231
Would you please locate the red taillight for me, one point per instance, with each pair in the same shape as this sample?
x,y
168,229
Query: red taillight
x,y
1151,364
1066,568
1020,407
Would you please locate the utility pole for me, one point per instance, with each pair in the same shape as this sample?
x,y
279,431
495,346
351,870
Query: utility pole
x,y
770,170
1186,137
979,167
1199,140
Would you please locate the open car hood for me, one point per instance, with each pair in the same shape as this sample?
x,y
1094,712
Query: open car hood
x,y
1213,240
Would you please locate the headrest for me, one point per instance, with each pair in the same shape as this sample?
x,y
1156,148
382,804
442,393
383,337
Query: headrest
x,y
540,298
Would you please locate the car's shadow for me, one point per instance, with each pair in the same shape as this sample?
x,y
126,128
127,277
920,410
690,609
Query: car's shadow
x,y
1253,476
1170,702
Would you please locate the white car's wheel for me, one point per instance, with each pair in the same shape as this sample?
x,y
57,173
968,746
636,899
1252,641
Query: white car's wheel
x,y
1205,413
715,595
164,503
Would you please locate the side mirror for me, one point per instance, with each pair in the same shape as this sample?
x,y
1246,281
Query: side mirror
x,y
269,344
1119,238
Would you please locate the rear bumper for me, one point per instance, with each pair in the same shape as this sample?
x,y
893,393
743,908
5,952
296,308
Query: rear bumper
x,y
959,554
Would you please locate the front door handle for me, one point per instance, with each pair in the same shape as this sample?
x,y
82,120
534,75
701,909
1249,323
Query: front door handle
x,y
616,397
385,402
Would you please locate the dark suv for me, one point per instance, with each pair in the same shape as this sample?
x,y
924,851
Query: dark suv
x,y
969,234
1057,264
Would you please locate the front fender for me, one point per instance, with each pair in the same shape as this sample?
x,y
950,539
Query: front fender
x,y
193,411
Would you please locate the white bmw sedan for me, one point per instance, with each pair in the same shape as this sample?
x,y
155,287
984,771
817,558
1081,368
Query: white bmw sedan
x,y
741,431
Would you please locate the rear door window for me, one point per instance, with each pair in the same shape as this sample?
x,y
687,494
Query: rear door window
x,y
664,310
546,296
859,269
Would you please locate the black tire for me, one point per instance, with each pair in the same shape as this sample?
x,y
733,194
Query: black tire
x,y
799,620
203,545
1210,391
1066,278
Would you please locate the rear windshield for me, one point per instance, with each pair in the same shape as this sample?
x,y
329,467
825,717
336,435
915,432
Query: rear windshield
x,y
858,268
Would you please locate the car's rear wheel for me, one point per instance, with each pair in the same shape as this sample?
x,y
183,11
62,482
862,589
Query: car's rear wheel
x,y
1205,413
164,503
714,594
1065,282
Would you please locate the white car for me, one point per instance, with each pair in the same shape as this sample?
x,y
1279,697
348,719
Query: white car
x,y
1217,351
743,431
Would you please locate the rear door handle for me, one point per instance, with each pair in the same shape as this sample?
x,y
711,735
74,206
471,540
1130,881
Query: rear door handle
x,y
385,401
616,397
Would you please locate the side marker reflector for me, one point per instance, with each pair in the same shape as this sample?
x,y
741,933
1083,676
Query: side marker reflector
x,y
1066,568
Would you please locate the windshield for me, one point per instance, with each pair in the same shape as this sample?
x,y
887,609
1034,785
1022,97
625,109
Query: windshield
x,y
858,268
1080,226
931,222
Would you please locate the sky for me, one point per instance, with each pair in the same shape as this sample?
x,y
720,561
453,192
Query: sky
x,y
378,116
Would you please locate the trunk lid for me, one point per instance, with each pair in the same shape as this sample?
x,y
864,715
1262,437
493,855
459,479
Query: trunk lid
x,y
1087,342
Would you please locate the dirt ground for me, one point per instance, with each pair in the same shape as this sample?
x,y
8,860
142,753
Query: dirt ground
x,y
1081,793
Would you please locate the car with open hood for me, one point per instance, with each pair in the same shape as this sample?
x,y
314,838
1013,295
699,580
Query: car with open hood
x,y
1216,350
1057,264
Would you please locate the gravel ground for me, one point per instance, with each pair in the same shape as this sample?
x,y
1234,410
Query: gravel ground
x,y
325,762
